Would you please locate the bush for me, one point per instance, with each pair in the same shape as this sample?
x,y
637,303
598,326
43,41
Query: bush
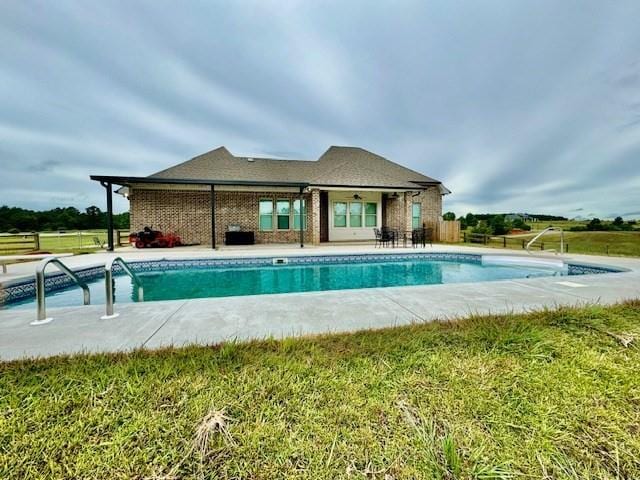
x,y
499,226
519,224
482,228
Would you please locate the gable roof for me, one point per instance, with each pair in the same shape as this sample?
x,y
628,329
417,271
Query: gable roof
x,y
338,166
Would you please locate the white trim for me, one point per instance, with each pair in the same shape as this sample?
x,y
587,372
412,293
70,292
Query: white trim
x,y
354,233
364,189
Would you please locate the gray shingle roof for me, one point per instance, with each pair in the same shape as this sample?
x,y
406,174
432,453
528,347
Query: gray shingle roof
x,y
338,166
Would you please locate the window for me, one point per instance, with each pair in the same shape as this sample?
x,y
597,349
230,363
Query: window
x,y
283,210
371,215
340,214
355,214
266,215
297,214
416,215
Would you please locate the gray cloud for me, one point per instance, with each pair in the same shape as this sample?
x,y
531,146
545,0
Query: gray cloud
x,y
518,106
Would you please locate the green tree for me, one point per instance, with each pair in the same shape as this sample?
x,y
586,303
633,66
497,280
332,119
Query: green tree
x,y
449,216
471,219
499,225
519,224
482,227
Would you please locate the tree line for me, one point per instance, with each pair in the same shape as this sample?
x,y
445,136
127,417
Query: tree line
x,y
502,224
494,223
16,219
597,225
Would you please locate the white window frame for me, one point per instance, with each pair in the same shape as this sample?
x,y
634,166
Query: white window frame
x,y
260,229
303,214
346,214
419,217
275,212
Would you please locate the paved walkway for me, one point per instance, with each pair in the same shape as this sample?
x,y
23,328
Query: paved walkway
x,y
212,320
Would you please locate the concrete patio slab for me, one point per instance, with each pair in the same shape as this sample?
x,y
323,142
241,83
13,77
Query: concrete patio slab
x,y
212,320
80,330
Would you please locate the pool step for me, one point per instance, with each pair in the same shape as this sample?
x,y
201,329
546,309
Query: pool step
x,y
522,261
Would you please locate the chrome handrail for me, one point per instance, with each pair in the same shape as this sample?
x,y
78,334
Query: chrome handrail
x,y
548,229
40,287
108,284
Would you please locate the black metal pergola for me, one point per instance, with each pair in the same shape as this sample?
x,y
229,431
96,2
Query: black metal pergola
x,y
109,181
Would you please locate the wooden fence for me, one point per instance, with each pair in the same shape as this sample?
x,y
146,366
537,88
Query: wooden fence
x,y
28,242
507,242
19,243
448,231
121,238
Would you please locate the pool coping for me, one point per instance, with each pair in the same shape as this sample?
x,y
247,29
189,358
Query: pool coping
x,y
23,288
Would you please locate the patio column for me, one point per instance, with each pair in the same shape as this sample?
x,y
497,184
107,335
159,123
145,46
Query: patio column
x,y
213,216
109,189
302,217
313,227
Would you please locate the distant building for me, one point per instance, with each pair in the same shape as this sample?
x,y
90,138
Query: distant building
x,y
525,217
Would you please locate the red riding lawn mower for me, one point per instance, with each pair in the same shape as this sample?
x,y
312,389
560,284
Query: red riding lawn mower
x,y
149,238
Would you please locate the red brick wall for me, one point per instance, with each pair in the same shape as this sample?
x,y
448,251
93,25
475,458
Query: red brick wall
x,y
188,213
398,212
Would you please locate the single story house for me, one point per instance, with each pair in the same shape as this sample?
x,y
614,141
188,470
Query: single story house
x,y
342,196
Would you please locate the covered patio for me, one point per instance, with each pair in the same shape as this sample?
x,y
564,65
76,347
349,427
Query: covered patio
x,y
108,183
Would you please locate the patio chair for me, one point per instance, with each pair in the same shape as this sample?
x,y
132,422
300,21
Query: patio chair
x,y
420,236
383,237
389,235
417,237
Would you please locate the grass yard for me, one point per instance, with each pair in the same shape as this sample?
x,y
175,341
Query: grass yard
x,y
564,224
546,395
596,243
71,241
591,243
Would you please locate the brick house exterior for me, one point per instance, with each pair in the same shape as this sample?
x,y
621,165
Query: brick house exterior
x,y
347,193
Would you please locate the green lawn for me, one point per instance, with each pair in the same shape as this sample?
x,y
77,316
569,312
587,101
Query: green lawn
x,y
545,395
593,243
597,243
70,241
564,224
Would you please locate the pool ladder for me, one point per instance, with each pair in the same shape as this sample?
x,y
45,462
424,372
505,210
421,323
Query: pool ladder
x,y
41,316
108,284
546,230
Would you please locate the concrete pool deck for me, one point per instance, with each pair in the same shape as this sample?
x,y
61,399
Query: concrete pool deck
x,y
213,320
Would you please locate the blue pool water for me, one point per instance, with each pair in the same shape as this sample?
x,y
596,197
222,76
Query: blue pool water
x,y
219,281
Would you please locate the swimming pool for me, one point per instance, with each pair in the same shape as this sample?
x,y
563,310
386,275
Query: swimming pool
x,y
200,278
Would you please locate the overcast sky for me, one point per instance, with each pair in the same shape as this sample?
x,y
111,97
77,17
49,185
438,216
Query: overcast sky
x,y
515,106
